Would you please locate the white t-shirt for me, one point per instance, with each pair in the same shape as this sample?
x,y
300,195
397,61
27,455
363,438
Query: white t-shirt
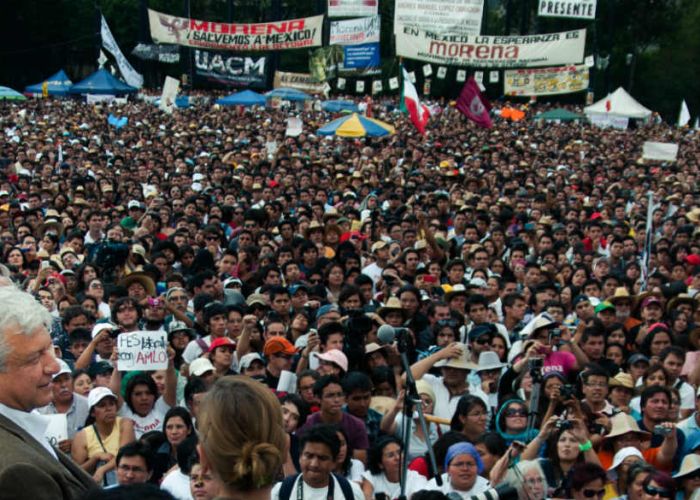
x,y
193,350
414,482
151,422
177,484
480,485
446,405
318,493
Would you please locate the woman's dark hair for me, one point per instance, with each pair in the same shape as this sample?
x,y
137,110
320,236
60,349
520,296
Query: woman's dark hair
x,y
383,374
154,439
493,442
125,300
553,455
140,379
374,457
583,473
645,348
301,405
636,469
187,454
663,480
348,291
179,411
464,406
347,463
77,373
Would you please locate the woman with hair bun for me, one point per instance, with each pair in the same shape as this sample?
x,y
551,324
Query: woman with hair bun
x,y
242,438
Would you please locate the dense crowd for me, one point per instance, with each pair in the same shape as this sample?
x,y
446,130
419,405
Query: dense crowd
x,y
553,341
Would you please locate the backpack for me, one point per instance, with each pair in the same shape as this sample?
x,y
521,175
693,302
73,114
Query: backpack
x,y
288,485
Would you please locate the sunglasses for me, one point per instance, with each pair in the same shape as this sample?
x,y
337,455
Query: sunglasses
x,y
650,490
483,340
593,493
516,413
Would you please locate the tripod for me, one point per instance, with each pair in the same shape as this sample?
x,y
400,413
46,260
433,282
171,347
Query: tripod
x,y
535,368
412,401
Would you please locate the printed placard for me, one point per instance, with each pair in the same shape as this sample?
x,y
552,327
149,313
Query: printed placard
x,y
142,351
359,86
442,72
493,76
427,70
393,83
461,75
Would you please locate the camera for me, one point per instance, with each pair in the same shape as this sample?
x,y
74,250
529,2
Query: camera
x,y
567,391
555,336
564,425
660,430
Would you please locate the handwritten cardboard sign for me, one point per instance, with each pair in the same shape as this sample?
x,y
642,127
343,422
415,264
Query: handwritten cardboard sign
x,y
142,351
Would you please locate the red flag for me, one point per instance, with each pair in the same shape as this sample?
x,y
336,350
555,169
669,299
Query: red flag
x,y
473,105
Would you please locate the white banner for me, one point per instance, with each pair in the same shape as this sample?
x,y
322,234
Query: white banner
x,y
299,81
275,35
109,43
546,81
462,17
608,121
355,31
352,8
579,9
661,151
492,51
167,98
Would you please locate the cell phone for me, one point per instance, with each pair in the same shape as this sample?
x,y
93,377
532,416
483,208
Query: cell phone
x,y
429,278
519,445
568,391
45,264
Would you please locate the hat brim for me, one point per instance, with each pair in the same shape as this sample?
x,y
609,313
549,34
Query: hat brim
x,y
146,281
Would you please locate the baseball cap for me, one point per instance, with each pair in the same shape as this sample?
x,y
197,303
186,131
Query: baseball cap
x,y
256,299
133,204
622,454
249,359
579,299
652,299
276,345
480,330
603,306
62,368
335,356
200,366
101,326
98,394
328,308
378,245
221,341
636,358
293,289
232,281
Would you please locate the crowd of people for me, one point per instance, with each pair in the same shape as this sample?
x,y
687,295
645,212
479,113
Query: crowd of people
x,y
549,316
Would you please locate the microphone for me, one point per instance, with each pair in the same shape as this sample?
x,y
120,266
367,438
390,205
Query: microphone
x,y
386,334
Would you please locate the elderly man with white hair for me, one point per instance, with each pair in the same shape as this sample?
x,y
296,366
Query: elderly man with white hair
x,y
29,466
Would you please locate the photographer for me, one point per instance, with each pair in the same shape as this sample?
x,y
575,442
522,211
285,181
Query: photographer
x,y
560,444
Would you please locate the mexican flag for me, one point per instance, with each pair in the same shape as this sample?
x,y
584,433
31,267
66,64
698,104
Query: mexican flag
x,y
410,103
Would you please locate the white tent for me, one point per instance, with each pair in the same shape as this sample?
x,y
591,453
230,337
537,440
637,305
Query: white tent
x,y
618,104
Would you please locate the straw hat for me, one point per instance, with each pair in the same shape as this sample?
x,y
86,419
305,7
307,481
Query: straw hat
x,y
690,464
393,304
461,363
681,298
142,278
622,379
621,294
624,424
693,216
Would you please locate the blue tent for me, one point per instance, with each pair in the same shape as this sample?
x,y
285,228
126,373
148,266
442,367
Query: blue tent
x,y
6,93
181,101
58,84
101,82
288,94
243,98
337,106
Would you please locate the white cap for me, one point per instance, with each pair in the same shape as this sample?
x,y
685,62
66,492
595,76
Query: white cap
x,y
98,394
622,453
63,368
200,366
248,359
101,326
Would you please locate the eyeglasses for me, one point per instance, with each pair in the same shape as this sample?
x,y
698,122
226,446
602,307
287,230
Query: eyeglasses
x,y
516,413
657,492
593,493
211,238
483,340
178,298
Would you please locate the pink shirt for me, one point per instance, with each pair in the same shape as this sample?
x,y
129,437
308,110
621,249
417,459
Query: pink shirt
x,y
560,361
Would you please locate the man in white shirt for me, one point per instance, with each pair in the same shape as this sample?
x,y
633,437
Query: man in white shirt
x,y
320,446
29,466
